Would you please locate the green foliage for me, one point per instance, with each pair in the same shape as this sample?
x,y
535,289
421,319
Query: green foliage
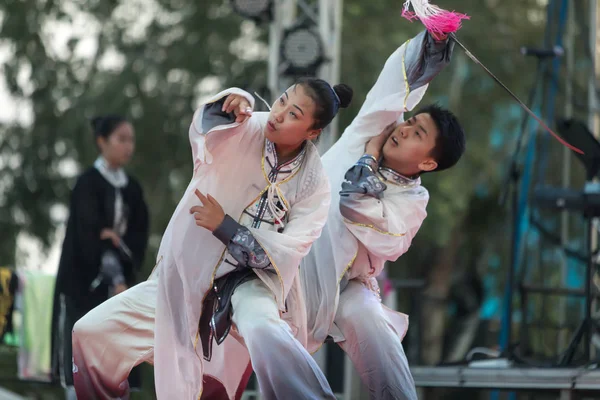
x,y
143,59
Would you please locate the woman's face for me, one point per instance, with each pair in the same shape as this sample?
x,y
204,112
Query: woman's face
x,y
291,118
118,148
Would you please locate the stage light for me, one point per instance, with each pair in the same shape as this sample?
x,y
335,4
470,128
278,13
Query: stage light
x,y
258,10
301,51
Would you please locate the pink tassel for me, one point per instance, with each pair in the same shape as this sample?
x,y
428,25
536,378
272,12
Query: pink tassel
x,y
437,21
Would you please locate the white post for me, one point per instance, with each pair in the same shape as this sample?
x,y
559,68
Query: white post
x,y
275,33
284,15
328,15
330,29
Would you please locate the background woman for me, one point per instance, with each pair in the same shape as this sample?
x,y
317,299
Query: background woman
x,y
105,241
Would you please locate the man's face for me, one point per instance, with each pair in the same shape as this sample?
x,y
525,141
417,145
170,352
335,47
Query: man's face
x,y
408,149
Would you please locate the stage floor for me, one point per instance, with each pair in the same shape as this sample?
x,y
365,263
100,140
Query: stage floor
x,y
508,378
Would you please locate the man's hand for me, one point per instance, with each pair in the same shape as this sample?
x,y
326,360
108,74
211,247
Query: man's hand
x,y
239,106
110,234
375,145
210,214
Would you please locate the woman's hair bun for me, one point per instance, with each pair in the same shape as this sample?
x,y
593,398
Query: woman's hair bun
x,y
344,93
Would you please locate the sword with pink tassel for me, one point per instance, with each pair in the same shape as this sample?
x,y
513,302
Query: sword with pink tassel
x,y
442,23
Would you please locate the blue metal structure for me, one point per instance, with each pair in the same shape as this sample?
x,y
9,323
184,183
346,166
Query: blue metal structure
x,y
522,207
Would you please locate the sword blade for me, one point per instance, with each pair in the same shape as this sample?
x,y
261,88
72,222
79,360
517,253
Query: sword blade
x,y
514,96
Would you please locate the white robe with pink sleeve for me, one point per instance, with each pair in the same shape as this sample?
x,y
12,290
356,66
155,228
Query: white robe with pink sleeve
x,y
229,164
383,229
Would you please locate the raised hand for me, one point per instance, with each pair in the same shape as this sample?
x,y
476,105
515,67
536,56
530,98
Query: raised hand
x,y
239,106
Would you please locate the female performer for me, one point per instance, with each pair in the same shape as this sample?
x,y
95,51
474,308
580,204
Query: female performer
x,y
257,200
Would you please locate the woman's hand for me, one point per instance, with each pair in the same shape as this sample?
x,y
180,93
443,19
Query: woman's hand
x,y
210,214
375,145
110,234
239,106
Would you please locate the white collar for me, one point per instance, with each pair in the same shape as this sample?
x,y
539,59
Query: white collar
x,y
116,177
275,172
389,175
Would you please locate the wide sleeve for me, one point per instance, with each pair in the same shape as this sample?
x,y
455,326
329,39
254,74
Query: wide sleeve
x,y
412,66
362,179
285,250
135,239
209,121
401,84
86,223
386,225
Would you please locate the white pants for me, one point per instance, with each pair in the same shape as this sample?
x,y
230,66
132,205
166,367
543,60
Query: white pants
x,y
373,345
119,334
283,367
112,339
